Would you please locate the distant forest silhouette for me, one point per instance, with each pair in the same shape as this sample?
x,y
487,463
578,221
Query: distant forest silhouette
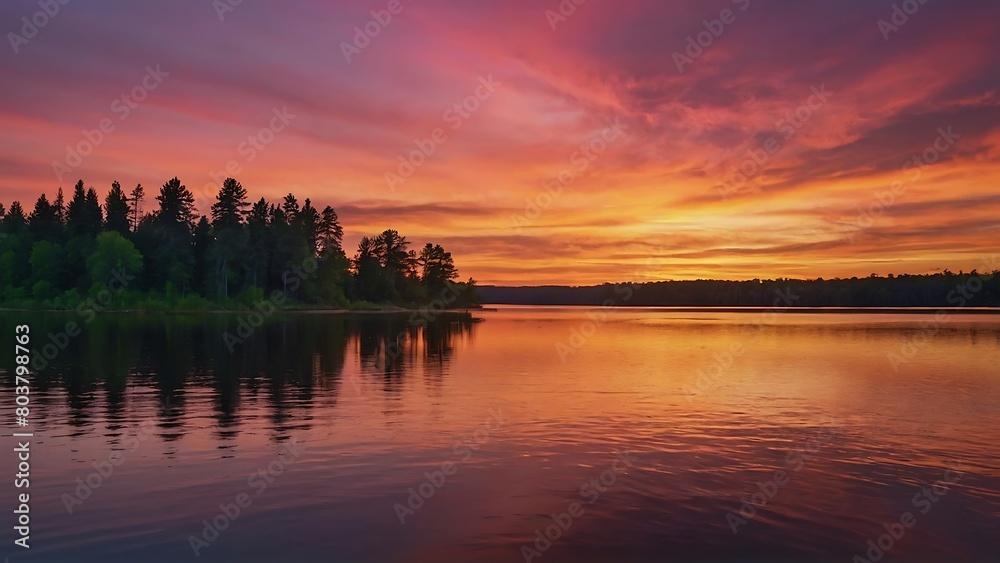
x,y
241,254
946,289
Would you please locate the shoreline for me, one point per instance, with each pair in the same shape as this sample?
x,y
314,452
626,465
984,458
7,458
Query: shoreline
x,y
499,307
780,310
386,311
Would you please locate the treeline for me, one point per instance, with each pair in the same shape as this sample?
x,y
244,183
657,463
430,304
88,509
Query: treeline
x,y
62,252
947,289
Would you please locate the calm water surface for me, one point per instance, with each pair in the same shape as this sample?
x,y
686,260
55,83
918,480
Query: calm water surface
x,y
718,436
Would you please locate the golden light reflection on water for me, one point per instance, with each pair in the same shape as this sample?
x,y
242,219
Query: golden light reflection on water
x,y
529,406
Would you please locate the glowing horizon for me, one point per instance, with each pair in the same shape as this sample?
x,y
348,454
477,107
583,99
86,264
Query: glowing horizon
x,y
540,94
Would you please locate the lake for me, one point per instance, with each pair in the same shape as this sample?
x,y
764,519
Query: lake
x,y
524,433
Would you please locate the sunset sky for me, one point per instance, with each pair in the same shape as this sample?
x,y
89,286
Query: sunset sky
x,y
652,200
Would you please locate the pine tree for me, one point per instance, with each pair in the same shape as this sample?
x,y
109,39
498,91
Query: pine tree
x,y
259,242
231,205
93,215
331,234
83,223
228,214
135,200
77,246
176,209
116,209
76,222
43,223
436,267
60,206
174,262
307,222
201,240
15,251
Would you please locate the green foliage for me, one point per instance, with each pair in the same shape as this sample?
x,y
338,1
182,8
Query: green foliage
x,y
945,289
113,259
14,295
436,266
372,279
7,265
15,247
68,300
192,302
47,262
169,259
250,296
42,290
173,257
328,286
231,237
